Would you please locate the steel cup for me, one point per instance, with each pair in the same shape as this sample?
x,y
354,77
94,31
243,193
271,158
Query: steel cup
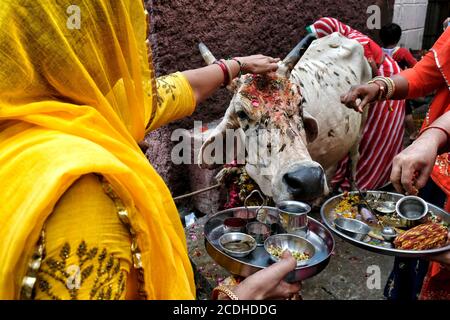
x,y
294,216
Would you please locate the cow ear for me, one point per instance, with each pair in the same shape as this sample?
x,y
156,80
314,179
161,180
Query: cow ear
x,y
311,127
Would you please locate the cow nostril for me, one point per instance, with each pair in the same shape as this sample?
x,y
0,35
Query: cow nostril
x,y
293,181
305,182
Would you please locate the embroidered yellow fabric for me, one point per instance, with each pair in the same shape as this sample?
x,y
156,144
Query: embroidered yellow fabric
x,y
74,101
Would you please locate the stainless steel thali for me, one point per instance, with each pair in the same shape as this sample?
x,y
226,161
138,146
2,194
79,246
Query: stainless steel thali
x,y
318,235
328,215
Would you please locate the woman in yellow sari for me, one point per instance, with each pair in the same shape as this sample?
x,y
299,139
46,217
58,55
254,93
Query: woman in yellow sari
x,y
83,215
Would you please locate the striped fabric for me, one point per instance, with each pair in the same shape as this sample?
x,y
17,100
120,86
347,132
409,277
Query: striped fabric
x,y
383,132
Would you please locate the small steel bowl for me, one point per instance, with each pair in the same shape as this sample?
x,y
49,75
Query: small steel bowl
x,y
234,225
356,229
292,243
386,207
389,234
259,231
237,244
411,208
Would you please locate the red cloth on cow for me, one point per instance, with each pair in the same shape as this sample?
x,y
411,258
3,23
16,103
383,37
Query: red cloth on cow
x,y
383,132
429,74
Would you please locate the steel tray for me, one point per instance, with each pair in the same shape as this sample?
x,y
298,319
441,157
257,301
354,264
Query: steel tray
x,y
328,215
318,235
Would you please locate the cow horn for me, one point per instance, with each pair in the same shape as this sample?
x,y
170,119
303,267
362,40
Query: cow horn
x,y
292,58
206,53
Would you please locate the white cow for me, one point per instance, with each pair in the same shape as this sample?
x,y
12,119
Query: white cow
x,y
315,131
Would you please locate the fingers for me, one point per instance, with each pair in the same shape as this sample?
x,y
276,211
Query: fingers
x,y
424,175
396,174
363,104
286,290
286,264
350,102
407,178
273,67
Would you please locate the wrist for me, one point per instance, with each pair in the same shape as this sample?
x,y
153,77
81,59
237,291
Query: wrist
x,y
245,292
434,136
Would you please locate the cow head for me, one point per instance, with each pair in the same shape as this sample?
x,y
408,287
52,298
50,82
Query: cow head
x,y
267,113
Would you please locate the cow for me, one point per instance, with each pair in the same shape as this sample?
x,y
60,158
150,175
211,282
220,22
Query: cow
x,y
301,102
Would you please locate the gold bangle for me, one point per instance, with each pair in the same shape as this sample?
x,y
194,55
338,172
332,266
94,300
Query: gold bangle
x,y
392,83
222,289
389,85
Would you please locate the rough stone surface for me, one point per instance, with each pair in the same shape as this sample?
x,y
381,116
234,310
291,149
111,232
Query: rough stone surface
x,y
231,28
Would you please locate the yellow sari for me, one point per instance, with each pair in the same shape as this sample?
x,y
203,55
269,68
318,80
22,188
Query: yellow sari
x,y
75,101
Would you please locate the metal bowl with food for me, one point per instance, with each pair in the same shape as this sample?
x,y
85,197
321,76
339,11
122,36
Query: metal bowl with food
x,y
237,244
301,249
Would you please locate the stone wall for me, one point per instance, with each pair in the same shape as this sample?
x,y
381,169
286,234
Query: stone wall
x,y
411,15
232,28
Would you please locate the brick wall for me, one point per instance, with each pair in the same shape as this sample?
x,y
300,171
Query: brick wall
x,y
411,15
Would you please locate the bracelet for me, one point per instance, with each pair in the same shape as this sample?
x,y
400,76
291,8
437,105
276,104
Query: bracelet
x,y
381,88
225,70
390,85
241,66
222,289
230,74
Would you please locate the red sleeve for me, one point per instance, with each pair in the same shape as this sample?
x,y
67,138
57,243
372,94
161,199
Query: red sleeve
x,y
424,77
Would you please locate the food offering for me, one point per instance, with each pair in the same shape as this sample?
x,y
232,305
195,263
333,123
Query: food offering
x,y
392,224
262,242
278,251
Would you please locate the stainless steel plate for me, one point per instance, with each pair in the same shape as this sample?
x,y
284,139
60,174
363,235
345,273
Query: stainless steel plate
x,y
328,215
318,235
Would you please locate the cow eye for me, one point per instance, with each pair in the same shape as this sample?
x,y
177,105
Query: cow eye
x,y
242,115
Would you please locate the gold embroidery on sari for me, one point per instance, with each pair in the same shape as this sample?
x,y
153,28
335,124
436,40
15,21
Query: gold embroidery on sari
x,y
107,272
167,86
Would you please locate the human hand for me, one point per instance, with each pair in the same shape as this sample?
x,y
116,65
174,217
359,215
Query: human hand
x,y
358,97
412,167
269,284
258,64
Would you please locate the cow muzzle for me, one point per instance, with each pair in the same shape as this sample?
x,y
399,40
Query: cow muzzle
x,y
305,182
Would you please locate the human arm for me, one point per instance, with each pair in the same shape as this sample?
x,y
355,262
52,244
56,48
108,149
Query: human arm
x,y
205,81
178,94
418,81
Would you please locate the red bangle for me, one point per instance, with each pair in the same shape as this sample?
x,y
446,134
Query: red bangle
x,y
226,76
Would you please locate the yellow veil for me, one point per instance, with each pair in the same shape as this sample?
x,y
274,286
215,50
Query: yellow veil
x,y
76,94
